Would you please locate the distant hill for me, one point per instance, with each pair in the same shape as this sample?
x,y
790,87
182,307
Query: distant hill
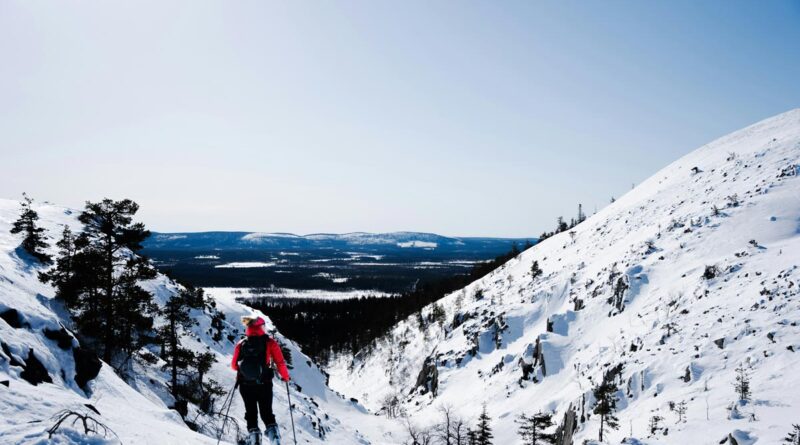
x,y
358,240
385,262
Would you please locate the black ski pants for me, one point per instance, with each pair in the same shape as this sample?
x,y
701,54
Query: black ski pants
x,y
257,400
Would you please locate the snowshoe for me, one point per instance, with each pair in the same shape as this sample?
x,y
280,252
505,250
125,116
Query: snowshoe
x,y
273,434
254,437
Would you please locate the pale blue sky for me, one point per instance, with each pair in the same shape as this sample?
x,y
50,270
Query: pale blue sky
x,y
463,118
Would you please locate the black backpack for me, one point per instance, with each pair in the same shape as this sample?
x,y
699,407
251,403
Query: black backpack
x,y
252,360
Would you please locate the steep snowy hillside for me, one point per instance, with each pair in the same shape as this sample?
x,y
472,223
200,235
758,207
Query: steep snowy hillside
x,y
43,368
665,292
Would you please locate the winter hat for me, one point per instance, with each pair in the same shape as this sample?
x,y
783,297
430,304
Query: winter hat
x,y
252,320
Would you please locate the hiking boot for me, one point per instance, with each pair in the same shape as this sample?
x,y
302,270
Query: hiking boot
x,y
254,436
273,434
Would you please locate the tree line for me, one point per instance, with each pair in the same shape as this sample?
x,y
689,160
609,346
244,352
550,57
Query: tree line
x,y
564,226
450,429
97,274
325,328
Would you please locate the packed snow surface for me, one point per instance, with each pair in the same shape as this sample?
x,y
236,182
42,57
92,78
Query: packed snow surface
x,y
245,265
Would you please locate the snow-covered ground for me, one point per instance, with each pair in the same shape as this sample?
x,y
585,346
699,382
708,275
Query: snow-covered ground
x,y
232,293
627,287
691,274
137,411
245,265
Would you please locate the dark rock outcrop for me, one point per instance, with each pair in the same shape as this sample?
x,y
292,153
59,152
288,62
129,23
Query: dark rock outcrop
x,y
428,378
61,336
182,407
13,318
11,360
35,372
87,366
538,357
527,369
566,428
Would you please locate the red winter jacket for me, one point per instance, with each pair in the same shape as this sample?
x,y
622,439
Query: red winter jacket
x,y
273,350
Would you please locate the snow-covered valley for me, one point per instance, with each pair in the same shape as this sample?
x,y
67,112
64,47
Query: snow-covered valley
x,y
663,294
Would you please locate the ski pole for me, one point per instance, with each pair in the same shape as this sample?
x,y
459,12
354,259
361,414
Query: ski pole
x,y
291,415
230,402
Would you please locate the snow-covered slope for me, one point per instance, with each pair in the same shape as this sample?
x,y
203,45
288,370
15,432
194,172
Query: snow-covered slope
x,y
137,411
689,275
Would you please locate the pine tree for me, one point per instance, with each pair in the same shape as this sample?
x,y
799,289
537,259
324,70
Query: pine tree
x,y
655,424
680,410
536,272
605,394
793,437
438,314
562,225
472,437
34,240
483,434
204,391
531,429
97,275
62,276
177,318
131,314
742,384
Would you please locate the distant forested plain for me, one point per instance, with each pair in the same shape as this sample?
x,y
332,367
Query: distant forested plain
x,y
332,294
332,264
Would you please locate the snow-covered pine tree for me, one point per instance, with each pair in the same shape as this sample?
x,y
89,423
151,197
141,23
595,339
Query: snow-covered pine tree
x,y
536,271
680,410
472,437
605,394
34,238
438,314
177,319
97,274
532,429
483,433
793,437
655,424
62,276
742,384
204,392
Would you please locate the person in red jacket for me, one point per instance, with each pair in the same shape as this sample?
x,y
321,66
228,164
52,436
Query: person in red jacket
x,y
253,358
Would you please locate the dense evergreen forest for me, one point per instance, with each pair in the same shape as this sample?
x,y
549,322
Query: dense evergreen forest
x,y
325,328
